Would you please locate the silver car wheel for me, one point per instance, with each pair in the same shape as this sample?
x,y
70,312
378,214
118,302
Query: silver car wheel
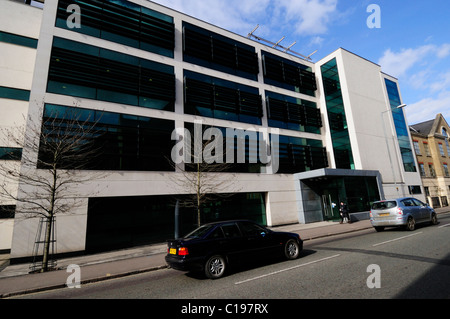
x,y
215,267
410,224
292,249
434,220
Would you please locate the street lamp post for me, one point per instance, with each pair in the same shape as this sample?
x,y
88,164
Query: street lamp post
x,y
387,144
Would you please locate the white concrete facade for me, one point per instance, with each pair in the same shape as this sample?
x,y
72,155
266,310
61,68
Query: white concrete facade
x,y
16,69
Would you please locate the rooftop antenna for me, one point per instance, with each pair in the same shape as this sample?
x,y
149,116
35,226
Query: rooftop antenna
x,y
279,46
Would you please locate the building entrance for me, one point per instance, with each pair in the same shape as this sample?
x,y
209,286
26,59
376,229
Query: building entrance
x,y
321,192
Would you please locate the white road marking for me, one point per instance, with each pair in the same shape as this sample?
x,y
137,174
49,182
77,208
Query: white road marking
x,y
287,269
444,225
390,241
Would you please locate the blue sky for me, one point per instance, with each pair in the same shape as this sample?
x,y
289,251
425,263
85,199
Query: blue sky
x,y
412,43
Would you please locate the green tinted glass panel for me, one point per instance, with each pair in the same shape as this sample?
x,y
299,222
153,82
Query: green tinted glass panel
x,y
18,39
14,94
336,116
400,127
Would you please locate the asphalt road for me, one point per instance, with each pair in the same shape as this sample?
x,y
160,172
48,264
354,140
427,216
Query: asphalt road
x,y
364,265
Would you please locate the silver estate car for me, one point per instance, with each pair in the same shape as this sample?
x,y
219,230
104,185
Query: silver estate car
x,y
406,211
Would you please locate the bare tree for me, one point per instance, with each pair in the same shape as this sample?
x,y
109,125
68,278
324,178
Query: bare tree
x,y
203,178
55,150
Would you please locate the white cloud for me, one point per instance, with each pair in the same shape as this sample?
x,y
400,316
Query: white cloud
x,y
235,15
398,63
442,83
309,17
303,17
426,109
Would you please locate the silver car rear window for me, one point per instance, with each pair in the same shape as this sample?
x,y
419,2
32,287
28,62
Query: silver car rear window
x,y
384,205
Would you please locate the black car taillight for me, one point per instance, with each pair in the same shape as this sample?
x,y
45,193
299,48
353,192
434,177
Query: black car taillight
x,y
183,251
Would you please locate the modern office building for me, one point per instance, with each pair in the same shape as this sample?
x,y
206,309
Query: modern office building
x,y
432,149
333,129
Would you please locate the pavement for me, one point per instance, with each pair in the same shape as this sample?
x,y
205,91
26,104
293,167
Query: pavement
x,y
16,280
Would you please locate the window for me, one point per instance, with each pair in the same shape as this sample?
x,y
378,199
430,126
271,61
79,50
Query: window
x,y
427,149
415,189
10,154
122,22
231,230
288,75
444,133
297,155
408,202
292,113
217,233
14,94
7,211
220,53
441,149
240,151
417,202
250,229
416,147
336,116
431,169
422,169
400,127
217,98
18,39
446,173
124,142
86,71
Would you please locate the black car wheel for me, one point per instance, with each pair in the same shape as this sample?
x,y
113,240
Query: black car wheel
x,y
434,220
291,249
215,267
410,224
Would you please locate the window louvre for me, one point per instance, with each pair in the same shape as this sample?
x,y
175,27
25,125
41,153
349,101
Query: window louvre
x,y
95,72
286,74
214,51
131,25
203,98
284,111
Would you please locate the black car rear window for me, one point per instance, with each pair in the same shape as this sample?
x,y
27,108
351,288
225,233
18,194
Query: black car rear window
x,y
384,205
200,232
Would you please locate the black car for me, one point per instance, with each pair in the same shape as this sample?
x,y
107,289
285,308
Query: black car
x,y
211,248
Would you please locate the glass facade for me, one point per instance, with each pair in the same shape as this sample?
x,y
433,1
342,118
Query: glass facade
x,y
18,39
240,152
288,75
14,94
336,116
87,71
292,113
217,98
296,155
122,22
214,51
10,154
151,219
400,127
122,142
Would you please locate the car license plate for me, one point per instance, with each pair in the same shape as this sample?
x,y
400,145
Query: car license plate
x,y
383,215
173,251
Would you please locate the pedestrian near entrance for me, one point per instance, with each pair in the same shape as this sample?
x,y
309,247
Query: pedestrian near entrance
x,y
343,210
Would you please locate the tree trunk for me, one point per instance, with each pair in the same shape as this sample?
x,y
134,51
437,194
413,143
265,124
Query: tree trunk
x,y
47,241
